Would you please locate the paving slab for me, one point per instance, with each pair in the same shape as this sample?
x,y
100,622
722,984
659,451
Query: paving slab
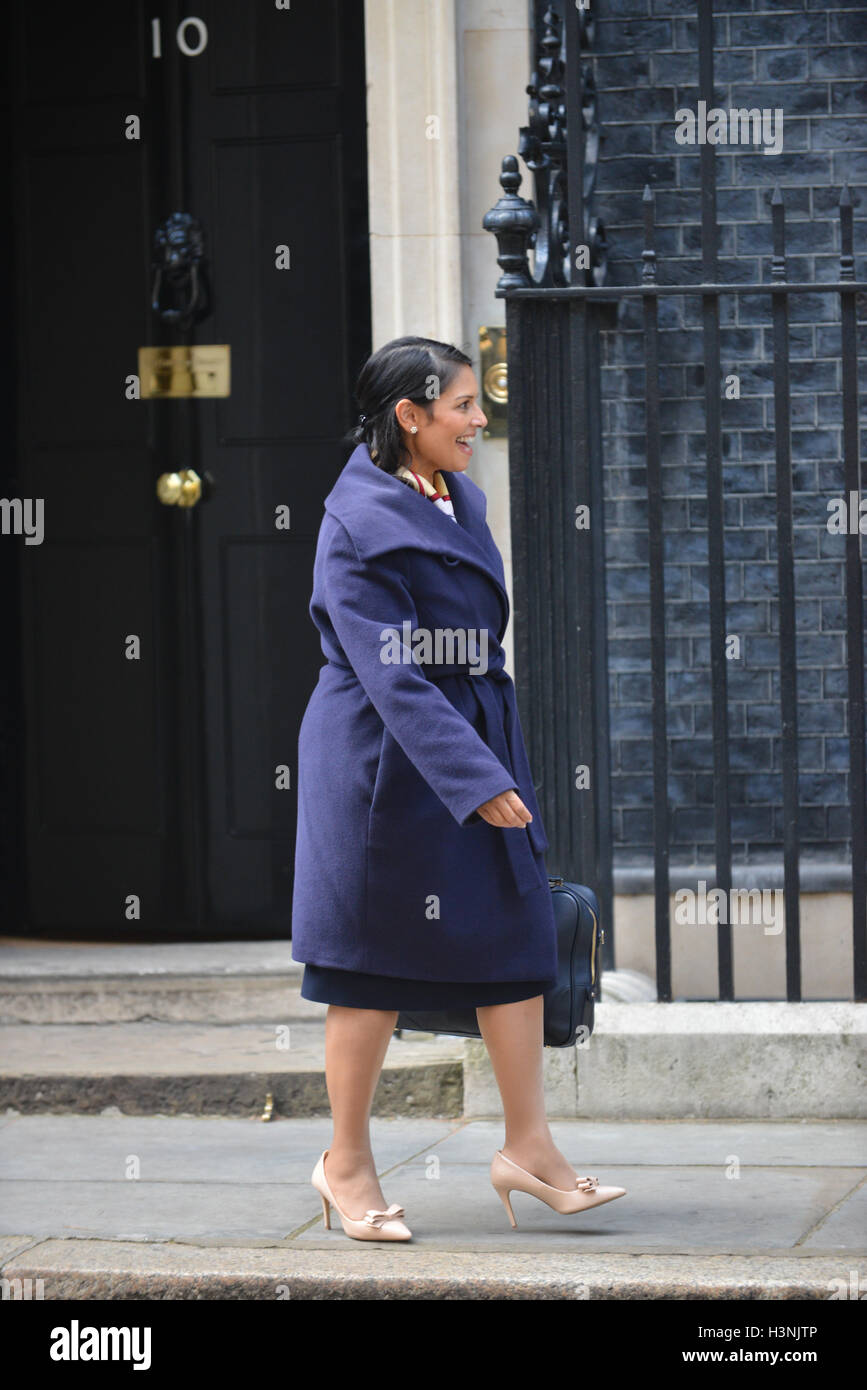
x,y
96,1148
777,1143
209,1212
454,1207
845,1228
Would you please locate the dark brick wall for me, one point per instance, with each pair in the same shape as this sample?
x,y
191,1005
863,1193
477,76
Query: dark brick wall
x,y
810,59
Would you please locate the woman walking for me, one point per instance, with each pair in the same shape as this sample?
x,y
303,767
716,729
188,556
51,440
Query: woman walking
x,y
420,881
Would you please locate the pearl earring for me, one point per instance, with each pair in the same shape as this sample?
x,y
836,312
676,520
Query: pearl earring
x,y
414,429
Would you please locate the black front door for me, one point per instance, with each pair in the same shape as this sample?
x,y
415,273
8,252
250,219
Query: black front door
x,y
167,653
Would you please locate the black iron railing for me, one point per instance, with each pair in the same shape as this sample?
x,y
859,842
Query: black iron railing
x,y
556,466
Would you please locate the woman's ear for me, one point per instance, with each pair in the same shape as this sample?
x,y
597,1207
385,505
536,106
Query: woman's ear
x,y
405,413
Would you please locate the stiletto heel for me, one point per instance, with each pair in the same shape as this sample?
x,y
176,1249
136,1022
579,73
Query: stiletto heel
x,y
507,1177
503,1194
375,1225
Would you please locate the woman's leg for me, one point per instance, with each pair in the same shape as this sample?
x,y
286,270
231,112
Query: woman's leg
x,y
513,1035
356,1041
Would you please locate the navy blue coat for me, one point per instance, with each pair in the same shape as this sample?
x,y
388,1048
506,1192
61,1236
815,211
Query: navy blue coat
x,y
396,873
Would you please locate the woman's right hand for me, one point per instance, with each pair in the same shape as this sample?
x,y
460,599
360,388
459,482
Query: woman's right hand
x,y
507,809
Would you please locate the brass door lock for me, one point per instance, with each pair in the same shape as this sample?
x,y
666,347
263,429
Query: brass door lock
x,y
495,382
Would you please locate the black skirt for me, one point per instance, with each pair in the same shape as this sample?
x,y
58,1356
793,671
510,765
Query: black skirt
x,y
356,990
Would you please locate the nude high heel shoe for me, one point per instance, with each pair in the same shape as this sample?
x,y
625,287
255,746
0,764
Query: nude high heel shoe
x,y
375,1225
508,1177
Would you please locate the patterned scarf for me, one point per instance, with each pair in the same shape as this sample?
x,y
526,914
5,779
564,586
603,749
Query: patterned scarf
x,y
436,491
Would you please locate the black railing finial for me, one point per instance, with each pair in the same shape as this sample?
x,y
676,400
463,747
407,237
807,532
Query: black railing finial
x,y
513,220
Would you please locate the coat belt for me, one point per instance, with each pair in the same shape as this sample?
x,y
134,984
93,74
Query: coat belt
x,y
520,844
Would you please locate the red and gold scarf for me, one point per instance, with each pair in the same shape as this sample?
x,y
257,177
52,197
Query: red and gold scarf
x,y
436,491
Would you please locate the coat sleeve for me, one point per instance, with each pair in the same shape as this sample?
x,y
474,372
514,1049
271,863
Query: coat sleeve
x,y
361,600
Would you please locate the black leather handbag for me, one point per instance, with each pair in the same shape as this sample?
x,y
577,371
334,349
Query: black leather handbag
x,y
568,1003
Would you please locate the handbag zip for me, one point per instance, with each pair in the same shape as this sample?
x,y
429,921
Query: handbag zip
x,y
601,934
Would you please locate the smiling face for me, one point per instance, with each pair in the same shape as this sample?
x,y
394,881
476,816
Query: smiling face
x,y
444,437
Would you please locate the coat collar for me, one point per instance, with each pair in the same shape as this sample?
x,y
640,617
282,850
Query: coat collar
x,y
381,514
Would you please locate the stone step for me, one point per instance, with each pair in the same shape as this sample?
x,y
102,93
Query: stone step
x,y
152,1068
700,1060
690,1058
186,982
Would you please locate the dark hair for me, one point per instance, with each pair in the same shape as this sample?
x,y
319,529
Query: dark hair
x,y
416,368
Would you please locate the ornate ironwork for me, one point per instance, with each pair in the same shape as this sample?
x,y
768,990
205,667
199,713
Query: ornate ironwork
x,y
520,225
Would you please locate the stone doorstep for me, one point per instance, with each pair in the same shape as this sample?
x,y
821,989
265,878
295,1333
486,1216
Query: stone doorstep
x,y
434,1089
38,958
700,1060
645,1059
230,1069
128,998
194,982
430,1089
99,1269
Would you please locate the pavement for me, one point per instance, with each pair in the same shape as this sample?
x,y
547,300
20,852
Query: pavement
x,y
197,1207
135,1164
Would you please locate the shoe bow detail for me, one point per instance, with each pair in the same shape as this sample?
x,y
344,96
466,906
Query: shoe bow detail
x,y
587,1184
379,1218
